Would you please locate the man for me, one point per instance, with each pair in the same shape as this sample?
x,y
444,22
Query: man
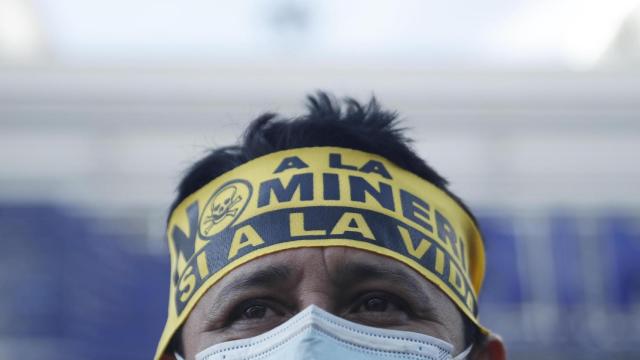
x,y
323,237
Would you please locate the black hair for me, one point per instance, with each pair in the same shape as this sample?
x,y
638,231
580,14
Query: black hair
x,y
328,122
356,126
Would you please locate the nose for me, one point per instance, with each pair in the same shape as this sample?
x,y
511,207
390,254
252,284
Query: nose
x,y
319,298
314,286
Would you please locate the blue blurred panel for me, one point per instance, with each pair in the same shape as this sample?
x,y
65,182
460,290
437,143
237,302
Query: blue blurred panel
x,y
150,300
567,259
61,278
119,298
621,242
31,291
502,279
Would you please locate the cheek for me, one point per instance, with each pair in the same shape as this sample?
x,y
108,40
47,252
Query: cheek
x,y
452,321
194,342
190,336
195,337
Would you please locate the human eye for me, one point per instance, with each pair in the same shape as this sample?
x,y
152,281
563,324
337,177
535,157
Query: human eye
x,y
379,309
259,314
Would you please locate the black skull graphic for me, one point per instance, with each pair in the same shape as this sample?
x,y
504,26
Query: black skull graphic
x,y
223,206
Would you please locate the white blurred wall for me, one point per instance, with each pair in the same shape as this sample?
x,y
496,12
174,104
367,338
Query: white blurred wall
x,y
112,137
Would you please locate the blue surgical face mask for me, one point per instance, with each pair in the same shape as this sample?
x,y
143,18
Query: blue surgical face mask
x,y
316,334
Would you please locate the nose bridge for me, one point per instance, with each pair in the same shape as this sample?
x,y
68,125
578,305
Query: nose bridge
x,y
321,299
316,287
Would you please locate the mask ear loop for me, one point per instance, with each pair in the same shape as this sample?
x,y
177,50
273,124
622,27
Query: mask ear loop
x,y
463,355
178,357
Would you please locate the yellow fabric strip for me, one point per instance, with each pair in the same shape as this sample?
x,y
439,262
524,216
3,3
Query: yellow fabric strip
x,y
318,197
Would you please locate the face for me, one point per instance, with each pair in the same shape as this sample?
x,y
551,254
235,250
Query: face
x,y
359,286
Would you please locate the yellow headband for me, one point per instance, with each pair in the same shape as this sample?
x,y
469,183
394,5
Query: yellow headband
x,y
317,197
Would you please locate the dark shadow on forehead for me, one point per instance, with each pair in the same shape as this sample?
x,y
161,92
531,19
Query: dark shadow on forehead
x,y
355,272
343,276
267,276
394,277
347,277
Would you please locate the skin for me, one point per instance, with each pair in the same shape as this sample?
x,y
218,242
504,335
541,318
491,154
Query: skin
x,y
357,285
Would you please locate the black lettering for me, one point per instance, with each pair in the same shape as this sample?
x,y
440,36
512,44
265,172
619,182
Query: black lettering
x,y
376,167
301,182
335,161
292,162
415,209
446,232
331,186
360,187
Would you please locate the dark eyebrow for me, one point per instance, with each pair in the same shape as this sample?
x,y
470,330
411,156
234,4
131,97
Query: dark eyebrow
x,y
268,277
349,274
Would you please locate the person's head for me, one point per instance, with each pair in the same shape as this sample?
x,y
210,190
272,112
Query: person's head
x,y
325,209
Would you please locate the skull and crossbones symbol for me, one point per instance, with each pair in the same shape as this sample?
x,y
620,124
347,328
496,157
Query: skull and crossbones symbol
x,y
223,206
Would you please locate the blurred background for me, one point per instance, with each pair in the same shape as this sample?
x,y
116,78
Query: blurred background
x,y
529,107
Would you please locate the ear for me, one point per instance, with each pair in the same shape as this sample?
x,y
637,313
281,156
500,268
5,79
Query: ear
x,y
167,357
492,348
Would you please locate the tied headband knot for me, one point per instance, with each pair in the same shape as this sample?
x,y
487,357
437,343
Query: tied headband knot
x,y
319,197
